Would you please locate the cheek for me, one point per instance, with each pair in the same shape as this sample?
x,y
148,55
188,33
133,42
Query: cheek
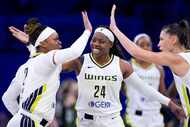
x,y
162,43
54,43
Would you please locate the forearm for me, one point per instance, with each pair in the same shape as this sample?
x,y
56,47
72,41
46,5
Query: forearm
x,y
73,52
10,102
145,89
129,46
10,96
138,52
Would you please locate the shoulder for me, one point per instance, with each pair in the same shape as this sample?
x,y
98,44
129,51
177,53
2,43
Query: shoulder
x,y
159,67
126,67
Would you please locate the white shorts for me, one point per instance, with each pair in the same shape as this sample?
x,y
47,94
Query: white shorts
x,y
145,119
87,120
19,120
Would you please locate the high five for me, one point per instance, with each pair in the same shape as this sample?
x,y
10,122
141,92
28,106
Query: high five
x,y
174,44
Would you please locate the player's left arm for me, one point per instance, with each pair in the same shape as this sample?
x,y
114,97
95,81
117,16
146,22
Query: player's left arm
x,y
131,78
162,86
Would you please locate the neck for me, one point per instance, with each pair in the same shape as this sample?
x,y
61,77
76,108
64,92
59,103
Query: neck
x,y
143,64
102,59
178,49
41,50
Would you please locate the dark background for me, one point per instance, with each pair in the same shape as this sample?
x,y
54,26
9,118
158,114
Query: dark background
x,y
133,17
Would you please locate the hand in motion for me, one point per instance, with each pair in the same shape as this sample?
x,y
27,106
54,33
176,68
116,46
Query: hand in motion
x,y
86,21
112,18
178,111
20,35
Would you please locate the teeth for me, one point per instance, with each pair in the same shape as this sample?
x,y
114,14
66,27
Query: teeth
x,y
96,50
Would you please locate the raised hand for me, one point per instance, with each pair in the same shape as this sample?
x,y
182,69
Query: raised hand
x,y
112,18
178,111
20,35
86,21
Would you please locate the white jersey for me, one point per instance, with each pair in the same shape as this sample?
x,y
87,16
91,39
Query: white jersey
x,y
40,86
99,86
137,101
183,86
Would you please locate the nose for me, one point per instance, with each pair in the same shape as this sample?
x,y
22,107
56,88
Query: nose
x,y
158,44
60,43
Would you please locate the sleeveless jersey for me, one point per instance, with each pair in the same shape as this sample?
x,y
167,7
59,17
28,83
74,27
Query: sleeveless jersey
x,y
99,86
40,86
183,85
137,101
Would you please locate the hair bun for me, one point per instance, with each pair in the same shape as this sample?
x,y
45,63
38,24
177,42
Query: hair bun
x,y
31,25
184,24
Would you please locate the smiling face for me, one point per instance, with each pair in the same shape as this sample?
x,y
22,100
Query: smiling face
x,y
100,44
52,42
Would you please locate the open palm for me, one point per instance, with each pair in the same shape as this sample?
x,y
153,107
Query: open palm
x,y
112,18
86,21
20,35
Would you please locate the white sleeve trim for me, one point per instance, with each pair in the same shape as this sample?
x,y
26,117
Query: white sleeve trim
x,y
9,98
73,52
145,89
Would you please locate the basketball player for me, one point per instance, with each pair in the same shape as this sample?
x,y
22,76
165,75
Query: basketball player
x,y
99,75
37,81
142,111
174,44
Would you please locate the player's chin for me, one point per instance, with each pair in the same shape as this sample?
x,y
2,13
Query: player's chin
x,y
161,49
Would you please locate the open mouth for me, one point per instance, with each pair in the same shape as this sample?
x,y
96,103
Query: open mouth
x,y
94,50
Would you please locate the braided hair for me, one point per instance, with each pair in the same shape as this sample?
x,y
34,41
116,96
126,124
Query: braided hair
x,y
33,29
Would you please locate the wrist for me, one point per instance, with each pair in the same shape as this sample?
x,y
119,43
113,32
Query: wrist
x,y
27,43
170,102
88,31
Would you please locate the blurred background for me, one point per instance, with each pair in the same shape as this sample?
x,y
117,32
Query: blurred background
x,y
133,17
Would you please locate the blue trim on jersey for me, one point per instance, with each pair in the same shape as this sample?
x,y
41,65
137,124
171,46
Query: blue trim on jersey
x,y
30,100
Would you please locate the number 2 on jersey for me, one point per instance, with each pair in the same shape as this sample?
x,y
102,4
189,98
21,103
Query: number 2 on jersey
x,y
99,91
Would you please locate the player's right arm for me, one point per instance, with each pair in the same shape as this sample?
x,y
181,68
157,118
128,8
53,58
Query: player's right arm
x,y
178,65
11,95
64,55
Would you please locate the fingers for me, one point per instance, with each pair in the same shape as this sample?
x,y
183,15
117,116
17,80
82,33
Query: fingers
x,y
84,15
113,10
85,12
14,30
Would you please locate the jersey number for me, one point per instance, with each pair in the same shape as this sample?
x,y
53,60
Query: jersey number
x,y
99,91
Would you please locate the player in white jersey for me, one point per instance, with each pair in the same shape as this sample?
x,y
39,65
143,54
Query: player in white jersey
x,y
142,111
99,75
37,81
174,44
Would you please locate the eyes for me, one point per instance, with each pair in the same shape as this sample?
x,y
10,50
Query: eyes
x,y
161,39
100,41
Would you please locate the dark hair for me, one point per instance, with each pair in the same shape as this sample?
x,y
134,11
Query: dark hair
x,y
181,30
33,29
116,49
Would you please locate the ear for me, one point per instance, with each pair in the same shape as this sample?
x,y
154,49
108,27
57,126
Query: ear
x,y
110,44
44,44
174,39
